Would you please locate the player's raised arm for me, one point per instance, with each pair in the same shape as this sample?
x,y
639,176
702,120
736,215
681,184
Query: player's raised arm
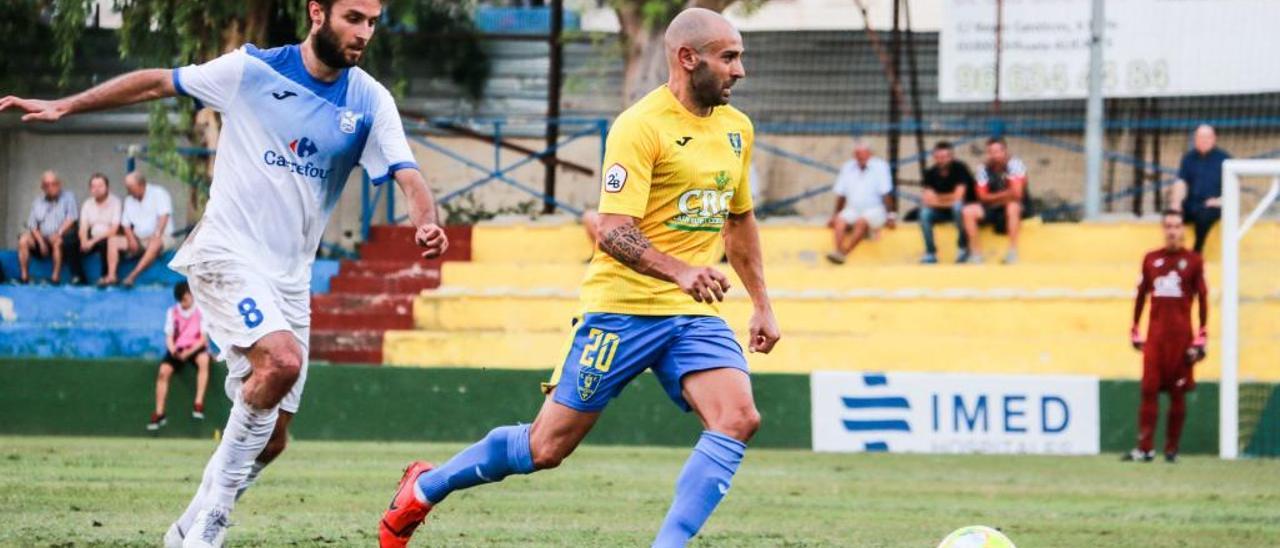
x,y
126,89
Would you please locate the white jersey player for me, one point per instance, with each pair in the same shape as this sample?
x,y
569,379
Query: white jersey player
x,y
296,121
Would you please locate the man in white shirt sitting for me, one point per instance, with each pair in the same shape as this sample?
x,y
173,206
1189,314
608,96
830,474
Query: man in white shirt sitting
x,y
864,201
147,225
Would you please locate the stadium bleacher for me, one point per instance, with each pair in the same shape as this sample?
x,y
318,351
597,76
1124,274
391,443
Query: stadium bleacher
x,y
1065,309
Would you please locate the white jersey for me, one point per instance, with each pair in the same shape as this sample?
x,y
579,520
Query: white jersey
x,y
287,146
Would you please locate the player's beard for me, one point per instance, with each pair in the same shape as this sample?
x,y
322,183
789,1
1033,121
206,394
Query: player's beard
x,y
328,48
708,90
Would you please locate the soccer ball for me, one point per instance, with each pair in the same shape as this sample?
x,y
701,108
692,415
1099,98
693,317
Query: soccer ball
x,y
976,536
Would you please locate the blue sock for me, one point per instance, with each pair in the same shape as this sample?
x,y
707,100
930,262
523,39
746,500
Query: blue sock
x,y
503,452
703,482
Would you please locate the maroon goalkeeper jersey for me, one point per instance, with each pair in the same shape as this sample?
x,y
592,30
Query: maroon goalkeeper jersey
x,y
1173,279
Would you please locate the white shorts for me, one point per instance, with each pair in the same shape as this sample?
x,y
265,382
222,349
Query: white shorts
x,y
874,216
239,307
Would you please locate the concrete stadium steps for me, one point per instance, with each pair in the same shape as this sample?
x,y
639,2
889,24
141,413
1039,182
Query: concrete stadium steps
x,y
378,284
344,311
1109,357
1256,280
947,330
795,242
976,314
374,294
395,243
347,345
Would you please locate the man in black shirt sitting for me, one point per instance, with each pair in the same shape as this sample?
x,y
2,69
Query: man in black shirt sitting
x,y
948,185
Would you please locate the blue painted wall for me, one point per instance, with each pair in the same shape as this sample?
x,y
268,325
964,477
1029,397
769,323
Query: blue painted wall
x,y
87,322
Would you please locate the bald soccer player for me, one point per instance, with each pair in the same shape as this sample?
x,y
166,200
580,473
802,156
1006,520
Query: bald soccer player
x,y
676,177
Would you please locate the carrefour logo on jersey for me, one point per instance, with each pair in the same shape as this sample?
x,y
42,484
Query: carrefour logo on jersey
x,y
301,148
954,413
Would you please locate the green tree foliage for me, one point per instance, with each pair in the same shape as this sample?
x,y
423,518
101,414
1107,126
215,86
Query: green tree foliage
x,y
23,44
643,23
435,36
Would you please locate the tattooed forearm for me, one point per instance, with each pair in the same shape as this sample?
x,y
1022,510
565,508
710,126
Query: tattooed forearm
x,y
626,244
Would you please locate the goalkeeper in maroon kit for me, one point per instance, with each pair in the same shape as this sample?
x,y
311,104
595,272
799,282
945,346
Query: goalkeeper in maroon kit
x,y
1172,276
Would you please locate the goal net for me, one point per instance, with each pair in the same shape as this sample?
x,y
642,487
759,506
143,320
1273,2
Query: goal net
x,y
1250,310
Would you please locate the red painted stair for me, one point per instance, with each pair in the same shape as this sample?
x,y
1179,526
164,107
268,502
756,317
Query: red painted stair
x,y
375,293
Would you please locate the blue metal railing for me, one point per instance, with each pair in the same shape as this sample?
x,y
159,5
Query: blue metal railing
x,y
425,133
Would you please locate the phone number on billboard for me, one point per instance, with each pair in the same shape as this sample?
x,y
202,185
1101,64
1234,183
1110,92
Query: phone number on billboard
x,y
1135,77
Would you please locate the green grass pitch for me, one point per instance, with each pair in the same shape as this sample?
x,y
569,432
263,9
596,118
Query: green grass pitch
x,y
125,492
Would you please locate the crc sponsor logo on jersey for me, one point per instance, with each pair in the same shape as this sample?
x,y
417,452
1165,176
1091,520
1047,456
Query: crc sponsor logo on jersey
x,y
1169,285
702,209
301,148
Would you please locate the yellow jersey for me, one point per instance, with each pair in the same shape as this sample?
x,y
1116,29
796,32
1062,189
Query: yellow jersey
x,y
681,175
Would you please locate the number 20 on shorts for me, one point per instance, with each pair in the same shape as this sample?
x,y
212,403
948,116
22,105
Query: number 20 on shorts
x,y
249,311
599,351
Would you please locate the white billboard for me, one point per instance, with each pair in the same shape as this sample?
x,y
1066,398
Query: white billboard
x,y
1152,48
954,413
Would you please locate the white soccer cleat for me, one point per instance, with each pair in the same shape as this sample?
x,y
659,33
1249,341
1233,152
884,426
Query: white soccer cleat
x,y
173,537
209,528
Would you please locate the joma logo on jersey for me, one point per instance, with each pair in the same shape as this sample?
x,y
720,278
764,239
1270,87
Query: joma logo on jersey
x,y
303,147
702,209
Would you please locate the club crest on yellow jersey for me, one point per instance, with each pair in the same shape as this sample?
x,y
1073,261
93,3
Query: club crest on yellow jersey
x,y
735,141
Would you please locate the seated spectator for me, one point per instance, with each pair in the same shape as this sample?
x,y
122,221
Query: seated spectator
x,y
948,186
147,225
99,218
50,231
1002,198
864,201
186,345
1198,191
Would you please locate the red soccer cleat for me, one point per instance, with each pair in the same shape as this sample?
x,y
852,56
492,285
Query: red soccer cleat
x,y
405,513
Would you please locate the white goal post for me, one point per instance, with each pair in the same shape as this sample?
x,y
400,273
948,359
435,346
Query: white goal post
x,y
1232,231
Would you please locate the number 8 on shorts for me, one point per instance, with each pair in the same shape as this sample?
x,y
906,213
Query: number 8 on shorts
x,y
249,311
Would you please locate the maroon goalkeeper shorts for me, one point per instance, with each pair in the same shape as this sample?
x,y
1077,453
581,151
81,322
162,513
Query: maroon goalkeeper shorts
x,y
1165,367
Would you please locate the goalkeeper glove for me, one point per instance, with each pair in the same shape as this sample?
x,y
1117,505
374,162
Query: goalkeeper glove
x,y
1197,351
1135,338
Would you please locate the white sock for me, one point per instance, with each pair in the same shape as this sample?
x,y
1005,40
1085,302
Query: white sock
x,y
255,470
248,430
197,502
